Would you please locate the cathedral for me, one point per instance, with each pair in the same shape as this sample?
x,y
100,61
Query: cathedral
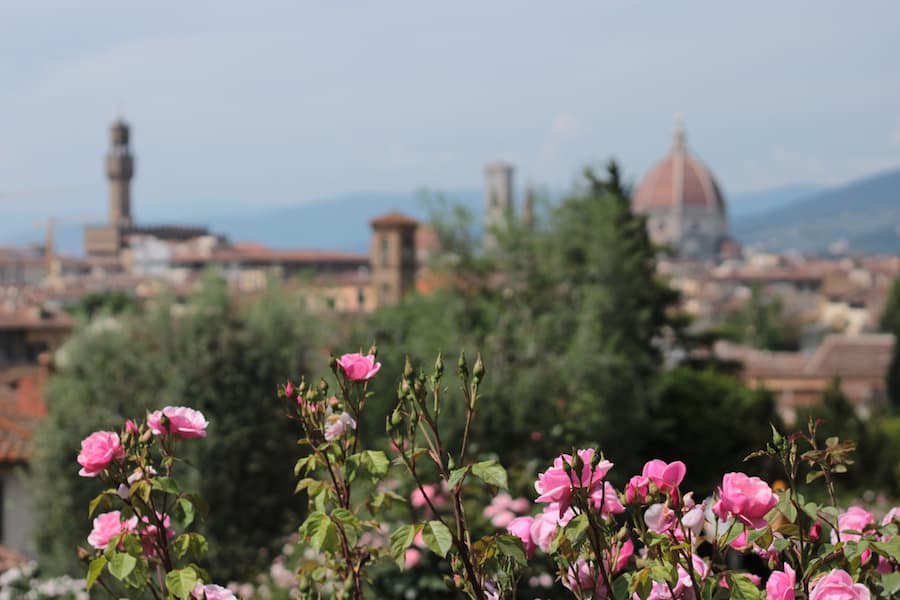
x,y
684,206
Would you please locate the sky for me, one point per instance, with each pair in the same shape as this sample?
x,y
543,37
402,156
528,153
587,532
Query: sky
x,y
238,105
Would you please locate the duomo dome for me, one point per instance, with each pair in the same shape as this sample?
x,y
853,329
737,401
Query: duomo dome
x,y
684,206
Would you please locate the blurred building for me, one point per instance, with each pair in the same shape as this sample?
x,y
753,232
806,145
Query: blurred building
x,y
683,203
499,201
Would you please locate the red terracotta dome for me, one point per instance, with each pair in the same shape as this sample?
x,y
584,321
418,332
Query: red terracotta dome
x,y
679,179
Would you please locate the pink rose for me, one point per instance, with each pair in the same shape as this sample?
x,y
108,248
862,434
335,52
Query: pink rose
x,y
337,425
606,500
666,477
838,585
289,389
637,491
150,533
892,514
183,422
625,552
432,492
748,499
358,367
97,451
521,528
780,585
108,526
556,485
855,519
411,558
131,427
544,527
659,517
211,592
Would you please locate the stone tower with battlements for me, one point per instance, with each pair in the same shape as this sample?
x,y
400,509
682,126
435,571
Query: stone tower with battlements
x,y
119,171
393,257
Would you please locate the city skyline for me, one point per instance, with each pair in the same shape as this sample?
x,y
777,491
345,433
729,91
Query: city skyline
x,y
232,108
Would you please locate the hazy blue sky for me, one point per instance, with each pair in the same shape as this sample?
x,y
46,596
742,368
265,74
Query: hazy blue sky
x,y
273,103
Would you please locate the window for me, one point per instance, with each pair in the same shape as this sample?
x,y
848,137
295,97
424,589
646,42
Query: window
x,y
385,245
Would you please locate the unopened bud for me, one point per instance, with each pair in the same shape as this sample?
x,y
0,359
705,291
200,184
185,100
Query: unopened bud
x,y
478,369
145,437
83,554
567,467
577,463
301,389
373,350
396,417
323,385
419,388
408,371
332,363
461,367
595,459
439,366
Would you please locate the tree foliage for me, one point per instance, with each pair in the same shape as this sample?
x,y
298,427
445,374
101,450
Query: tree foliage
x,y
210,354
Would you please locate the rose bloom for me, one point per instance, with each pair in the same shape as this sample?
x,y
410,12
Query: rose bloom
x,y
666,476
337,425
359,367
521,528
107,526
149,533
606,500
637,491
747,499
856,519
211,592
780,585
838,585
183,422
97,451
555,485
433,493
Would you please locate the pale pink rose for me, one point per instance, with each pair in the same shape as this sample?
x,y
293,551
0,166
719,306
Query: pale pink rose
x,y
666,476
580,577
748,499
131,427
501,520
433,492
520,505
855,519
337,425
359,367
107,526
606,500
780,585
97,451
146,473
659,517
499,503
183,422
544,527
211,592
694,518
838,585
625,552
892,514
638,490
521,528
555,485
411,558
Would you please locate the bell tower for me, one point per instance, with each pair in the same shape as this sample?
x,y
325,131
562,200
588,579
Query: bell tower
x,y
119,171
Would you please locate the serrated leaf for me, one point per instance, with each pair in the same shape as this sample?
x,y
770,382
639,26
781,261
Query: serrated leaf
x,y
511,546
121,565
94,571
325,537
101,497
165,484
180,545
187,511
181,582
305,464
376,463
401,539
741,588
490,472
576,529
199,546
437,537
456,477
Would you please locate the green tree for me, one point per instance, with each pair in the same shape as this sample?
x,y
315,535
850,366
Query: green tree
x,y
211,354
890,323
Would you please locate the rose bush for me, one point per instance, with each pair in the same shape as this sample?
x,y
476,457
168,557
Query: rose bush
x,y
418,510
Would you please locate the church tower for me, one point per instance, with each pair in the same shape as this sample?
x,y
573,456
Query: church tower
x,y
498,198
119,170
393,257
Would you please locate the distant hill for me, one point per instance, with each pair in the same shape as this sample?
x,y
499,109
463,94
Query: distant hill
x,y
759,201
863,214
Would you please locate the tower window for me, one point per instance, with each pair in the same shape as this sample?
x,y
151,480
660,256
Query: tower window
x,y
385,262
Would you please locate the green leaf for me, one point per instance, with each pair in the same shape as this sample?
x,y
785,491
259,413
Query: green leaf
x,y
325,537
121,565
490,472
741,588
94,571
187,510
101,497
376,463
199,546
401,539
456,477
437,537
576,529
890,584
511,546
181,545
305,464
181,582
735,532
141,489
165,484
